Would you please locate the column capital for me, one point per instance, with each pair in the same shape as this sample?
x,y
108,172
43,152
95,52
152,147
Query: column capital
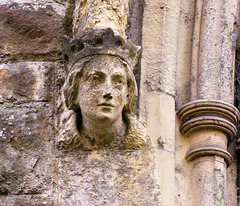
x,y
214,114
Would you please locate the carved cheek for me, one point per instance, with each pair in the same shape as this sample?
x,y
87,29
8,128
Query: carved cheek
x,y
121,96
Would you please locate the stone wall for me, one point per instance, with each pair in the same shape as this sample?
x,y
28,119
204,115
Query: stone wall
x,y
173,70
30,51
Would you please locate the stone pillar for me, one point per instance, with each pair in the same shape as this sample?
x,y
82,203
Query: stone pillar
x,y
209,119
157,103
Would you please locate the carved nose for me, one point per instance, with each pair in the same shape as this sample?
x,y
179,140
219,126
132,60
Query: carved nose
x,y
107,96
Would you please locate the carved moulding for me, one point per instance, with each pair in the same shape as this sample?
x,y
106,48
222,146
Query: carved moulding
x,y
217,115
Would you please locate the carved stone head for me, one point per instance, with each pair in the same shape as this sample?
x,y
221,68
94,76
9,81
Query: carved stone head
x,y
100,88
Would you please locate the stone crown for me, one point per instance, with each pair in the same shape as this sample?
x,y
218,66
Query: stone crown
x,y
99,42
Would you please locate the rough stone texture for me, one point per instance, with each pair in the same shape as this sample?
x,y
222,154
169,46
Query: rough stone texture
x,y
30,30
159,55
108,178
230,192
208,181
100,14
26,200
161,128
134,35
26,133
26,81
157,87
183,74
213,62
134,27
58,6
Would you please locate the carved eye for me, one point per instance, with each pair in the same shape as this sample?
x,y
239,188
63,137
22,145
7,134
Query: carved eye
x,y
118,81
95,78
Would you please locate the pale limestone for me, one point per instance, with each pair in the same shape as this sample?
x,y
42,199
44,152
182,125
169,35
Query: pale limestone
x,y
211,79
208,181
167,55
213,62
95,14
161,127
108,177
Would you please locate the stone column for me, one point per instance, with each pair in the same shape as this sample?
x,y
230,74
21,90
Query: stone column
x,y
157,103
209,119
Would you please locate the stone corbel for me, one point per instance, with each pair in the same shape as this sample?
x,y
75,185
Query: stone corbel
x,y
209,115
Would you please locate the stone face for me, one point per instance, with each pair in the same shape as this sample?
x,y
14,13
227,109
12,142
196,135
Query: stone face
x,y
26,81
30,31
25,140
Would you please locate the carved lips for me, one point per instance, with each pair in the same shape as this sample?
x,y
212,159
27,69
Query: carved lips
x,y
106,104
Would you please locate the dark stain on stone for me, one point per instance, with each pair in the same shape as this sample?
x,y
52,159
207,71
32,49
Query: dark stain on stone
x,y
68,19
24,32
22,81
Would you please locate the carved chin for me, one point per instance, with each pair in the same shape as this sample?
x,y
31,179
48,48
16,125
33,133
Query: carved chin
x,y
106,115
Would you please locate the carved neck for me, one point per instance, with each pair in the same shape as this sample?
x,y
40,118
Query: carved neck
x,y
104,132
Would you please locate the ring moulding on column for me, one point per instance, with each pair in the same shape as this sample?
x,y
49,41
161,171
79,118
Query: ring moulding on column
x,y
209,114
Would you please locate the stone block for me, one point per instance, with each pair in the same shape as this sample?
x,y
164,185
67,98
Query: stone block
x,y
30,30
26,81
25,139
26,200
108,178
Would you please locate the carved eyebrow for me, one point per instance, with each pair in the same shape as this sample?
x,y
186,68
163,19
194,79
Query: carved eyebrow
x,y
118,74
88,74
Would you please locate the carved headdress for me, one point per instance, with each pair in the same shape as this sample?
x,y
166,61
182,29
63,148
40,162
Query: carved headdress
x,y
99,42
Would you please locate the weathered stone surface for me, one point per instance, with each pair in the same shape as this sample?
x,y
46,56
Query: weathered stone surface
x,y
161,128
26,200
58,6
134,28
30,31
26,81
100,14
184,60
230,190
25,140
213,51
108,178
